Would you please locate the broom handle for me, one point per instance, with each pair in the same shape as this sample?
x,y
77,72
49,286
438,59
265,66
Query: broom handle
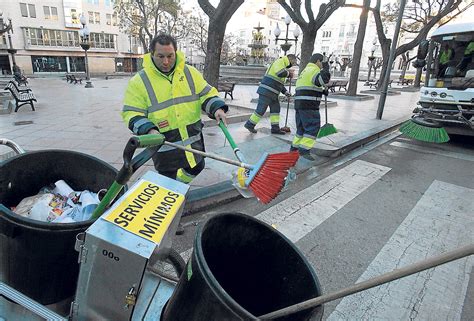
x,y
326,107
288,105
210,155
232,143
376,281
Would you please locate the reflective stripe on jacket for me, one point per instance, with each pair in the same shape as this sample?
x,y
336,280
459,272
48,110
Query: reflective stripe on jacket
x,y
309,87
273,81
171,104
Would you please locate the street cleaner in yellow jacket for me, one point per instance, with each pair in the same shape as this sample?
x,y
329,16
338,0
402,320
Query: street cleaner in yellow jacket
x,y
310,87
272,84
167,97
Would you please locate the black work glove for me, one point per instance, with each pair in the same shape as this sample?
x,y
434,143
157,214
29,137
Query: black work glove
x,y
326,91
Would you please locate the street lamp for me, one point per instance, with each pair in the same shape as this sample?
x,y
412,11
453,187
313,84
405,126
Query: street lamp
x,y
372,57
6,28
296,33
85,44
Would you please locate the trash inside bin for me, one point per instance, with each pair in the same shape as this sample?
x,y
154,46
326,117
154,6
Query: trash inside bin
x,y
242,268
38,258
58,203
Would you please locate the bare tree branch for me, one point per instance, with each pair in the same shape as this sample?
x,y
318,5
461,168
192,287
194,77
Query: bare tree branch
x,y
294,14
309,10
207,7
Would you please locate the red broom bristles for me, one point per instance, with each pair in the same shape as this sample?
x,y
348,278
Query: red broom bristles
x,y
270,178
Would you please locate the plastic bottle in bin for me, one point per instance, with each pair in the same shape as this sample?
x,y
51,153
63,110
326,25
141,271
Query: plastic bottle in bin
x,y
238,180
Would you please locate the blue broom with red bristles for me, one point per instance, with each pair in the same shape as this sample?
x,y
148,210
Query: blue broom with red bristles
x,y
267,177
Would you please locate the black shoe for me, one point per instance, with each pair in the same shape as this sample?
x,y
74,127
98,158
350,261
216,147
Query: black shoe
x,y
278,131
308,156
293,149
250,128
180,229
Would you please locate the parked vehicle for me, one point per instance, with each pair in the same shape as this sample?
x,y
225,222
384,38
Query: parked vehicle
x,y
447,98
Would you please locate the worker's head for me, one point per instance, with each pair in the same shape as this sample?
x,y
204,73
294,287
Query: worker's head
x,y
163,52
292,59
317,59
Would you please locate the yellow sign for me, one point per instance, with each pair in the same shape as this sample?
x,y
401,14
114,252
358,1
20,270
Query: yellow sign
x,y
147,211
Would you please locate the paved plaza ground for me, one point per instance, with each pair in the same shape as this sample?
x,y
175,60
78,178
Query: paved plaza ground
x,y
72,117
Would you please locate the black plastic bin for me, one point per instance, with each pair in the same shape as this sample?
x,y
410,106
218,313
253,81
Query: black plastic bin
x,y
38,258
240,269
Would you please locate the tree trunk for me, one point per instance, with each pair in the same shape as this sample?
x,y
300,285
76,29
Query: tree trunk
x,y
307,47
354,78
417,82
385,55
214,47
218,18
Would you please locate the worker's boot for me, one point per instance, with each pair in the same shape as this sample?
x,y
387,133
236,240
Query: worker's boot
x,y
250,127
307,155
277,130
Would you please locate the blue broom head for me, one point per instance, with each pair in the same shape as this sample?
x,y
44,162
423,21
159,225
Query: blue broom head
x,y
255,169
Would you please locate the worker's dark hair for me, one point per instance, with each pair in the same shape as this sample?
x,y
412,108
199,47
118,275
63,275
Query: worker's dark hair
x,y
162,39
291,56
315,57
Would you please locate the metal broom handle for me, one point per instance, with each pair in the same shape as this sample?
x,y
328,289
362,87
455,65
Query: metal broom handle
x,y
288,104
326,107
376,281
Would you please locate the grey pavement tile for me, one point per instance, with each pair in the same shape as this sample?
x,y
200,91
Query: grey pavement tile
x,y
69,143
46,142
33,148
209,177
116,146
39,133
25,140
95,143
108,156
7,129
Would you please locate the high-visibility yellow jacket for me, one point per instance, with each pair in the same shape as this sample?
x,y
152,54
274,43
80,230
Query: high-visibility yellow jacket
x,y
445,56
469,49
273,81
310,86
171,104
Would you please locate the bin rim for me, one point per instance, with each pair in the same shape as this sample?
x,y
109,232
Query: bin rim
x,y
210,279
18,219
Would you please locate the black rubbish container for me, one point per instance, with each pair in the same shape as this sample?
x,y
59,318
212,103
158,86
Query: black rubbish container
x,y
38,258
240,269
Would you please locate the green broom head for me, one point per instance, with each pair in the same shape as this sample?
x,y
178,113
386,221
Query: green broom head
x,y
424,130
326,130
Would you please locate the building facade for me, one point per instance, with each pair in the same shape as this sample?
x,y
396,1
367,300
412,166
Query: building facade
x,y
339,34
46,38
